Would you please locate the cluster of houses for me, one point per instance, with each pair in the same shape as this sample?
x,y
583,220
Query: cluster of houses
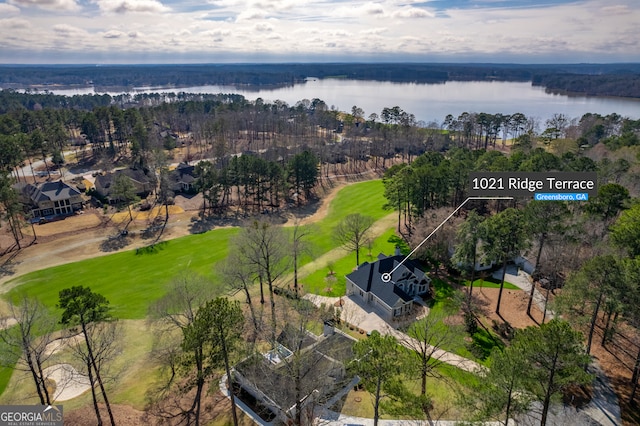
x,y
57,199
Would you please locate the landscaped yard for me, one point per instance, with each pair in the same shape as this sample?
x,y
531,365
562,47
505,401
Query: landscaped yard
x,y
322,282
445,303
444,391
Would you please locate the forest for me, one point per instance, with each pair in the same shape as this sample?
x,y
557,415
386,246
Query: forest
x,y
257,158
590,79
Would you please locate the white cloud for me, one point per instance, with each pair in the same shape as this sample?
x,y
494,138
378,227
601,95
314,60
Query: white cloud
x,y
113,34
374,31
216,33
263,27
8,9
135,6
251,14
47,4
67,30
372,9
14,23
615,9
289,27
412,12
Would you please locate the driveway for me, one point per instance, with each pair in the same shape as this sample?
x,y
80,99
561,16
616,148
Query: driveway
x,y
365,317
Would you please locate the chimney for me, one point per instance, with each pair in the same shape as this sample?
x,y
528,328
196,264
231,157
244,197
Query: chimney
x,y
328,329
397,252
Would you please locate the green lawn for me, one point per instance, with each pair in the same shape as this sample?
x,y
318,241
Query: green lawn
x,y
6,371
132,280
445,303
444,392
319,282
491,282
366,198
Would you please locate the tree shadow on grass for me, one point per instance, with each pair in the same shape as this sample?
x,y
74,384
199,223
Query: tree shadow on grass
x,y
200,226
152,249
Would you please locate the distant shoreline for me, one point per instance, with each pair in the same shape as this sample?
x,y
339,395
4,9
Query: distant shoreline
x,y
101,90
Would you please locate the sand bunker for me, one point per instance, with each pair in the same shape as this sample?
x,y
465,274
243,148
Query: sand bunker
x,y
69,382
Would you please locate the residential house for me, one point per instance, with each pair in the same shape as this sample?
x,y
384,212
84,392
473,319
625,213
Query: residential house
x,y
141,182
183,178
319,363
51,199
394,298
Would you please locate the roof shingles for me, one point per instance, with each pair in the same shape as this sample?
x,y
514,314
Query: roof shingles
x,y
368,277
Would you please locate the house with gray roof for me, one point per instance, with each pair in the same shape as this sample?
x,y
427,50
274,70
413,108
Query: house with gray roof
x,y
51,199
319,363
390,299
141,182
183,178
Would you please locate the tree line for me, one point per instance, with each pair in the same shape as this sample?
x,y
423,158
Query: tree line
x,y
593,79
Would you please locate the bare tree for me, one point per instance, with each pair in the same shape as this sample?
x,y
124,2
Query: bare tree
x,y
95,351
186,294
183,345
262,247
124,192
239,277
26,340
352,232
85,308
299,247
427,338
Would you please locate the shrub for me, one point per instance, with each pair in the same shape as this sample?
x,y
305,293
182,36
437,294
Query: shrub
x,y
470,323
504,329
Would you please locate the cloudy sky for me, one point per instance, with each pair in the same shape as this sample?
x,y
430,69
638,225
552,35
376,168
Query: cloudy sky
x,y
174,31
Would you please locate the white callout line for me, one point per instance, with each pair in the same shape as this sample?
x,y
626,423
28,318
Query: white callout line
x,y
386,277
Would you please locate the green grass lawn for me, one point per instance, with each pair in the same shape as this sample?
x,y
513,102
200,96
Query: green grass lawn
x,y
444,392
133,280
366,198
319,282
6,371
445,303
491,282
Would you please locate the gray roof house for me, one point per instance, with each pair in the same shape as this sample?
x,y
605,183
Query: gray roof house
x,y
319,362
390,299
183,178
50,199
140,180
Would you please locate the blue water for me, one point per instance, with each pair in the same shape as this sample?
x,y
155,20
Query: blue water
x,y
428,102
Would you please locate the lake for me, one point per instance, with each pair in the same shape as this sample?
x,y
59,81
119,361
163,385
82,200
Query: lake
x,y
428,102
